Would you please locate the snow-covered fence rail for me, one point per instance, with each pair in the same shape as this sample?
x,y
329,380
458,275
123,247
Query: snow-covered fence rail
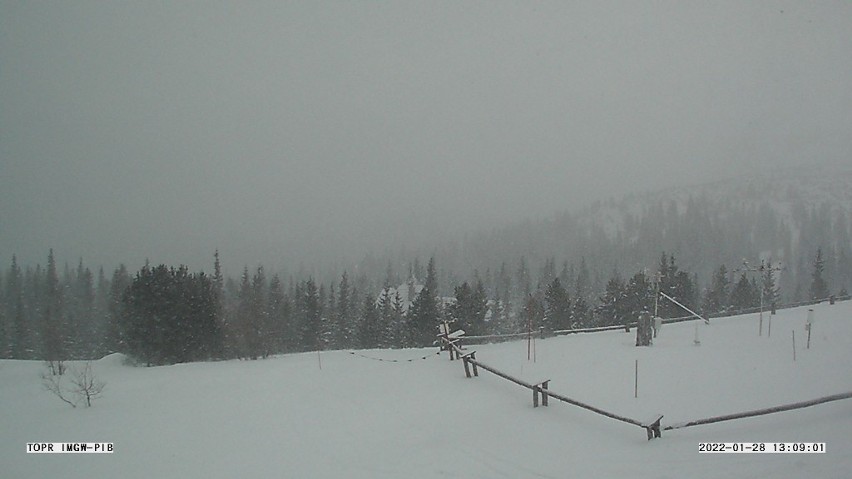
x,y
760,412
486,338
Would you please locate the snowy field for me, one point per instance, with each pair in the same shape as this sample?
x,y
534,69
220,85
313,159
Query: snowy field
x,y
362,418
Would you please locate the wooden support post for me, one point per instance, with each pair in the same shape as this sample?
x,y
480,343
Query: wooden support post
x,y
540,389
454,350
653,427
445,345
468,360
809,336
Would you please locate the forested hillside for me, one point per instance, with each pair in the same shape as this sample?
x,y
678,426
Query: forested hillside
x,y
714,248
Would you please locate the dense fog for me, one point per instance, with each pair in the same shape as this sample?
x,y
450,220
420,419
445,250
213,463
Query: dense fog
x,y
305,134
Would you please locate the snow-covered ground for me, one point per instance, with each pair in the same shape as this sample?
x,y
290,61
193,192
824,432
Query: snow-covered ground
x,y
362,418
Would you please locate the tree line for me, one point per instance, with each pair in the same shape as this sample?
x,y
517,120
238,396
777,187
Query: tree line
x,y
164,314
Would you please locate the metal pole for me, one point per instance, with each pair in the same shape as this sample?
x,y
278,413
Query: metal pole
x,y
636,380
657,296
794,345
707,321
760,331
529,335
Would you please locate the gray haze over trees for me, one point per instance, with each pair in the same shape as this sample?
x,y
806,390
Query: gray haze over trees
x,y
310,134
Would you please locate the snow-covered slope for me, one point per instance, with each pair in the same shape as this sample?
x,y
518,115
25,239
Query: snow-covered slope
x,y
362,418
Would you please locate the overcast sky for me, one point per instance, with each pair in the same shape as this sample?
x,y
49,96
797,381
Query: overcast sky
x,y
292,131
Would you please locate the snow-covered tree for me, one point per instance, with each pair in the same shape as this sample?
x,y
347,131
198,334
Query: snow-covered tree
x,y
557,314
819,286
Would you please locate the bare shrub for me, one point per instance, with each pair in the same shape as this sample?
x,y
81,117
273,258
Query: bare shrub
x,y
84,385
53,383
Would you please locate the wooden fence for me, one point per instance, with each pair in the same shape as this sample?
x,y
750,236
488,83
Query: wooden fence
x,y
541,393
541,390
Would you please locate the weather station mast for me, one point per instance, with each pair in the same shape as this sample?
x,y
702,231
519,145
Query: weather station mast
x,y
763,269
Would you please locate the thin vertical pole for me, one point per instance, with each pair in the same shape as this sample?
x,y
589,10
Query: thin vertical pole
x,y
769,328
657,295
533,348
656,302
529,337
794,345
810,326
636,379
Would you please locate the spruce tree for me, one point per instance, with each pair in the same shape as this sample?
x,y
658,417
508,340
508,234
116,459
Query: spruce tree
x,y
311,316
423,318
343,329
580,313
639,297
611,309
387,318
557,315
369,327
468,311
19,333
717,298
744,295
532,314
52,334
771,293
432,278
279,316
522,281
168,317
118,286
583,284
819,286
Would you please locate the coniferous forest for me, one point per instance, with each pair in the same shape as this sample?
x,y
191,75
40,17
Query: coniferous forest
x,y
568,273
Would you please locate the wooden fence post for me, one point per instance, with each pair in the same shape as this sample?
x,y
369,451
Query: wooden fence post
x,y
652,427
469,360
540,389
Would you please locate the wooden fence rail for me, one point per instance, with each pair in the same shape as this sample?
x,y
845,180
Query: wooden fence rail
x,y
760,412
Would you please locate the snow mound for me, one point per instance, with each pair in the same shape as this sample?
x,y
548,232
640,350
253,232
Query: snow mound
x,y
116,359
